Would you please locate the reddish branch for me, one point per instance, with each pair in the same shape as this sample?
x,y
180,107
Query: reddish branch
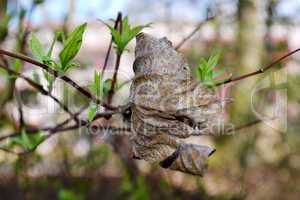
x,y
118,20
117,65
261,70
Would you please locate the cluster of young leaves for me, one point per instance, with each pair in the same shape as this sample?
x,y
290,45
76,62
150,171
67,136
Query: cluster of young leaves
x,y
100,89
71,47
122,38
206,73
27,141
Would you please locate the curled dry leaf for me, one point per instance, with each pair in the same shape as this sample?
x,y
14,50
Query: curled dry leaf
x,y
168,105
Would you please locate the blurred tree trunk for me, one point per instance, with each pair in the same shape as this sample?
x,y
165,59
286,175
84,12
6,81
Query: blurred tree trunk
x,y
3,5
250,49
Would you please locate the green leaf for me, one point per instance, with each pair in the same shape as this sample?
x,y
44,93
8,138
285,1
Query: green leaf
x,y
17,65
27,141
71,46
52,46
106,86
97,83
50,79
92,112
128,33
213,61
36,47
72,64
60,36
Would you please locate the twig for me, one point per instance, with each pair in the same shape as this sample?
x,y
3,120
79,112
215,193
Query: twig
x,y
247,125
57,75
52,131
193,32
119,18
60,127
117,65
262,70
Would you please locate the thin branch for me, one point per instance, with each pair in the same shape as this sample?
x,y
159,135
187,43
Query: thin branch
x,y
247,125
60,127
53,131
119,18
57,75
262,70
197,28
117,65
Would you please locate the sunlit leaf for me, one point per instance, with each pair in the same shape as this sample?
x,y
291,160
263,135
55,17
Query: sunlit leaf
x,y
92,112
71,46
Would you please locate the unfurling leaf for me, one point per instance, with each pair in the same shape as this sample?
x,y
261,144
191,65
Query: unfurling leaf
x,y
121,39
71,46
92,112
27,141
206,73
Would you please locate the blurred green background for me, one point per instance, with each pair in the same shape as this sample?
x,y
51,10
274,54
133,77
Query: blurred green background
x,y
258,162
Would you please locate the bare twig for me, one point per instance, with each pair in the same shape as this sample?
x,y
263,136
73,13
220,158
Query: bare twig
x,y
193,32
117,65
261,70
